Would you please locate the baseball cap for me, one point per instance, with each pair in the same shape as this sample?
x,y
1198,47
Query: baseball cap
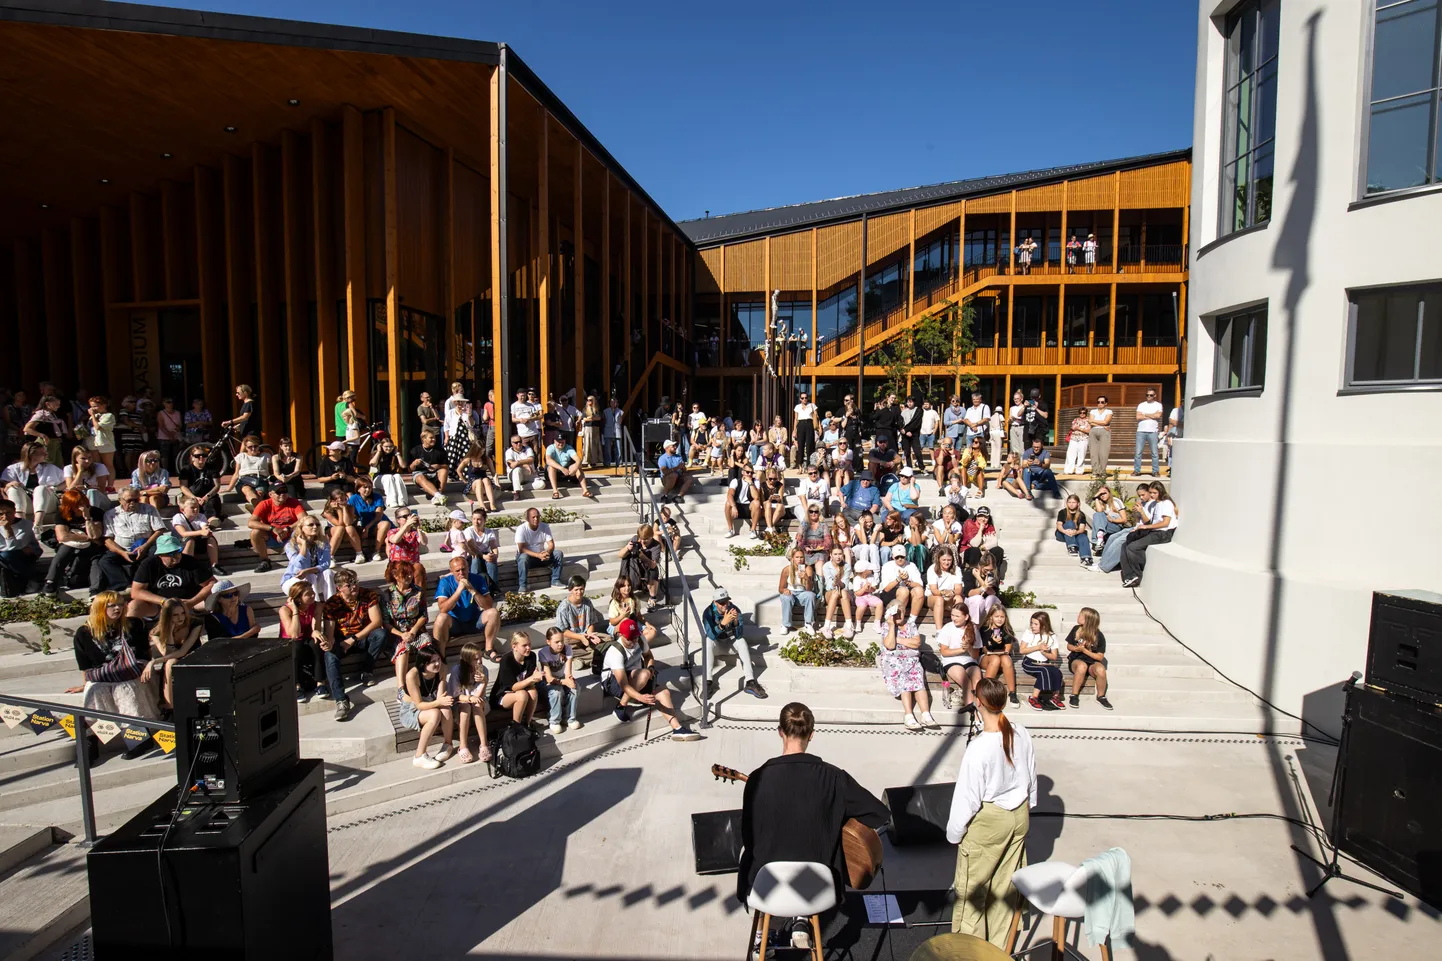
x,y
983,511
721,595
459,515
898,551
335,445
668,443
168,544
277,485
629,629
907,472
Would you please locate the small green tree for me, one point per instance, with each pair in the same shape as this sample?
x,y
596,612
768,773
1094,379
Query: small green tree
x,y
966,342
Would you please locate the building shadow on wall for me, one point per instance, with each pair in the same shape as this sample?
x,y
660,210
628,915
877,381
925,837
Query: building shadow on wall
x,y
463,892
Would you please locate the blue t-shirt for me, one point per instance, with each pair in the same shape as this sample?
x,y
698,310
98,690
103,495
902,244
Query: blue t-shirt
x,y
366,510
563,456
860,498
466,609
901,497
668,461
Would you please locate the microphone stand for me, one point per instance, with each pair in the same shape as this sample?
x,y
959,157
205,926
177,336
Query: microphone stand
x,y
1330,868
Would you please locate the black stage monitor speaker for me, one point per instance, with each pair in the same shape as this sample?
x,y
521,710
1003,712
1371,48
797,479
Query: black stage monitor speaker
x,y
1386,813
655,431
244,881
1404,649
919,813
716,841
235,718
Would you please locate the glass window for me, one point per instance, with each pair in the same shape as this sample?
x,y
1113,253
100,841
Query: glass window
x,y
1395,336
1241,350
1402,128
1250,120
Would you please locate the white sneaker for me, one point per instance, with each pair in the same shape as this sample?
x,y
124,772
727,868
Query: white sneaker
x,y
907,719
826,628
911,621
439,499
444,754
575,725
928,721
426,762
555,729
850,630
786,630
880,627
755,535
378,558
730,532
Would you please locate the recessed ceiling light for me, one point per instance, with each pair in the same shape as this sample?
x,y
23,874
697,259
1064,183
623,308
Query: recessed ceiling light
x,y
44,206
166,155
293,102
105,180
229,129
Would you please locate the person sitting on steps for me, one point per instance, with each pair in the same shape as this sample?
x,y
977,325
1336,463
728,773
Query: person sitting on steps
x,y
628,674
743,500
902,672
518,680
721,622
998,642
1041,654
425,705
1087,654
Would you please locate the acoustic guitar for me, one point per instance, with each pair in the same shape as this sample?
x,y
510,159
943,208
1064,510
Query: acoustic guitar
x,y
860,845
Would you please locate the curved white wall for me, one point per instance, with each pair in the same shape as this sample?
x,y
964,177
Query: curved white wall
x,y
1362,500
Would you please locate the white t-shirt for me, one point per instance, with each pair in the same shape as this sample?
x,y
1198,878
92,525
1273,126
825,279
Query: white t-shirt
x,y
1147,414
534,540
513,455
1100,417
944,583
619,657
939,528
1174,419
1161,509
951,636
805,412
976,416
863,583
1054,645
738,435
182,523
94,481
742,489
1017,411
986,775
929,420
520,409
817,492
891,570
482,541
696,419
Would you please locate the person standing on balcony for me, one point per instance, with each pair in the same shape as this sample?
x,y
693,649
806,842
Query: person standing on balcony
x,y
1149,412
804,430
1028,247
1089,252
1099,438
1016,422
1072,246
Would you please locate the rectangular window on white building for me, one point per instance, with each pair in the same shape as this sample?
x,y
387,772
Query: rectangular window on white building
x,y
1249,120
1402,120
1241,350
1394,336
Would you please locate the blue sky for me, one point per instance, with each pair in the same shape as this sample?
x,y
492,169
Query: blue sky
x,y
740,105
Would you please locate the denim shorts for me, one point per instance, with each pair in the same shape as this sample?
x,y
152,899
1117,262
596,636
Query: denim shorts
x,y
928,440
610,688
410,716
375,519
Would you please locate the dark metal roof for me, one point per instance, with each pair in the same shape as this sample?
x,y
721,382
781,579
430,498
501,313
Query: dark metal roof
x,y
141,18
774,220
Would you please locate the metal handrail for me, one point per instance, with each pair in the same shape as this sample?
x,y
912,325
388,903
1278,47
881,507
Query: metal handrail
x,y
82,754
648,509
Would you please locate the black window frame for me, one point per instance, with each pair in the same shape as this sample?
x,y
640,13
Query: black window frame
x,y
1248,83
1350,380
1402,101
1223,369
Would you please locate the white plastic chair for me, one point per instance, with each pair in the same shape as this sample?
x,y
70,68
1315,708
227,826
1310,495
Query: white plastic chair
x,y
1058,889
790,889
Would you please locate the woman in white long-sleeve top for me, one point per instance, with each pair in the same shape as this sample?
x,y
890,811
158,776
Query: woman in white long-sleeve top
x,y
990,814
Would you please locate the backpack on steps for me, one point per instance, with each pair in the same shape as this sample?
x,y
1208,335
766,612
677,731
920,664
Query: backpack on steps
x,y
514,752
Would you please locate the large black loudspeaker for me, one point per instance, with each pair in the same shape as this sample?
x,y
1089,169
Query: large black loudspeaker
x,y
1386,813
245,881
919,813
716,841
1404,649
235,720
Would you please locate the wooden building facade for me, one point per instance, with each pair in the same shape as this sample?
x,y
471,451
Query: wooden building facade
x,y
194,201
856,274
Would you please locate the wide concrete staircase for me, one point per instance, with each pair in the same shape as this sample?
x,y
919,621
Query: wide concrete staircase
x,y
1155,683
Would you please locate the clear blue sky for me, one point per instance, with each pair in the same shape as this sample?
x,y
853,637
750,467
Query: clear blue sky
x,y
740,105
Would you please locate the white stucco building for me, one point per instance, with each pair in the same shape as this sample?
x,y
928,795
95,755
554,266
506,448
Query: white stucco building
x,y
1312,454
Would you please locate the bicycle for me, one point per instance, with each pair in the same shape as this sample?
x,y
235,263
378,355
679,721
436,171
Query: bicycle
x,y
371,434
219,453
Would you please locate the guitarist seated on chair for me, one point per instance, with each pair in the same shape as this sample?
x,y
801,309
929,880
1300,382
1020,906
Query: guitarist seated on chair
x,y
795,805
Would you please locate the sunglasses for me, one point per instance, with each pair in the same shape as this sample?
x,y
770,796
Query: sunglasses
x,y
230,595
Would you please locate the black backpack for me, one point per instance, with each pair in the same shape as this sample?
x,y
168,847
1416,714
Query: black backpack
x,y
514,752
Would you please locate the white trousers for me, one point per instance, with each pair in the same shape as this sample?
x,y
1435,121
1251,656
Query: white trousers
x,y
26,502
1076,454
393,486
322,582
742,649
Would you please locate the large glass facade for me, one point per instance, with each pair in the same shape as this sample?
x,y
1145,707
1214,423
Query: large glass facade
x,y
745,332
1249,122
1404,137
836,315
1395,336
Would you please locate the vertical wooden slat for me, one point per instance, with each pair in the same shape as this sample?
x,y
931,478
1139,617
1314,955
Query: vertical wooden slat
x,y
1011,241
1060,357
89,310
1112,320
112,275
543,252
579,247
811,351
357,322
327,359
911,266
237,289
393,269
297,303
59,309
1116,224
1011,349
140,252
1065,267
499,279
448,261
172,240
606,281
269,346
209,253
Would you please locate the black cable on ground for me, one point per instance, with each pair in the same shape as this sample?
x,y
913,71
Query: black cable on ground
x,y
1327,736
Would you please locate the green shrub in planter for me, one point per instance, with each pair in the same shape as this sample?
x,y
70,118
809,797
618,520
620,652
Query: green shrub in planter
x,y
813,649
40,611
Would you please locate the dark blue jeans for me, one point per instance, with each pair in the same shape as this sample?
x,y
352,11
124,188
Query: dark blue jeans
x,y
1078,540
489,568
373,645
1042,477
15,570
524,563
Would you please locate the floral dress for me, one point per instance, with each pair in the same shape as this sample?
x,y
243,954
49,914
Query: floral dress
x,y
901,668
